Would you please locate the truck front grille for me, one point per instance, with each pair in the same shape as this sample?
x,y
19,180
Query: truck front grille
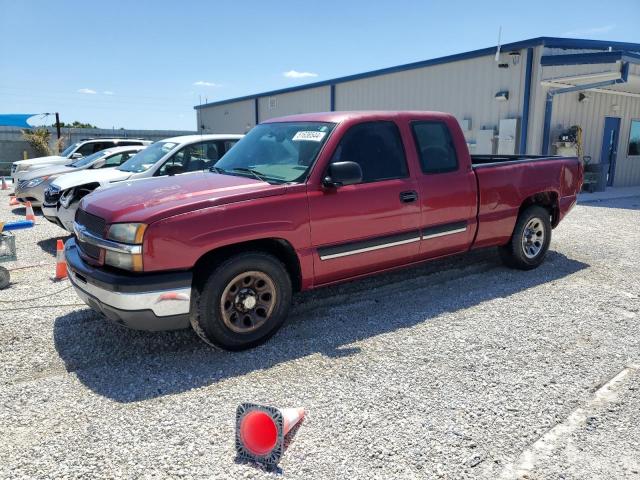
x,y
91,222
94,225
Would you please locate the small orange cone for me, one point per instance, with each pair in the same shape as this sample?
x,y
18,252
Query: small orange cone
x,y
260,431
61,264
4,184
13,201
30,215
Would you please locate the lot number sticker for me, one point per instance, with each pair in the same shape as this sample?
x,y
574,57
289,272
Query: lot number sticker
x,y
308,136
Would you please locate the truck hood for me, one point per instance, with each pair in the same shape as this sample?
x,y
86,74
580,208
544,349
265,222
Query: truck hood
x,y
32,162
47,172
103,176
152,199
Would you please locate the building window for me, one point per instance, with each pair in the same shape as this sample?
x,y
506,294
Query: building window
x,y
634,139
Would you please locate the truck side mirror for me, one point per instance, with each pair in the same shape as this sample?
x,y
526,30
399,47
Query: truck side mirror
x,y
341,174
174,170
76,155
99,163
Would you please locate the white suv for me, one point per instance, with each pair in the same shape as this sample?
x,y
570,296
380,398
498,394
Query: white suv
x,y
73,152
171,156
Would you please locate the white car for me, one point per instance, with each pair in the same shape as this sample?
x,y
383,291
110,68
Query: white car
x,y
72,152
171,156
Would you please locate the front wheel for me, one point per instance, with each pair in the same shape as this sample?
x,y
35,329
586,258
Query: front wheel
x,y
530,240
243,301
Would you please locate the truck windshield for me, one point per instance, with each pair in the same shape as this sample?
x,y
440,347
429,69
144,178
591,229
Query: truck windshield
x,y
69,150
83,162
148,157
276,152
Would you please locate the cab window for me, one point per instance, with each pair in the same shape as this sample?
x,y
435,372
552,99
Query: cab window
x,y
377,148
435,147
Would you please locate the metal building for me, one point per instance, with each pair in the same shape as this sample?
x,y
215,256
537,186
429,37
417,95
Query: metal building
x,y
519,99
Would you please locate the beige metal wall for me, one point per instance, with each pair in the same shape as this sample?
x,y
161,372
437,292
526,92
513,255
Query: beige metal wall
x,y
465,88
237,117
590,116
302,101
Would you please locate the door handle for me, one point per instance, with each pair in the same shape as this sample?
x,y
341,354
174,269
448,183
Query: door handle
x,y
408,196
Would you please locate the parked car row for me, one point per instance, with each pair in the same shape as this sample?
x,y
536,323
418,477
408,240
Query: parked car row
x,y
298,203
72,152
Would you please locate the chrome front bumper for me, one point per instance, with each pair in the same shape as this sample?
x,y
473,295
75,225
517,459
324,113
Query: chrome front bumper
x,y
124,299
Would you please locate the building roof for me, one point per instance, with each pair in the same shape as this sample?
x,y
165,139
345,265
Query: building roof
x,y
551,42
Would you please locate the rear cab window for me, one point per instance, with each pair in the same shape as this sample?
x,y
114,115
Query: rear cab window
x,y
377,147
434,145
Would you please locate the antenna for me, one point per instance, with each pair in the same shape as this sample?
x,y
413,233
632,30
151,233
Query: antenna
x,y
498,49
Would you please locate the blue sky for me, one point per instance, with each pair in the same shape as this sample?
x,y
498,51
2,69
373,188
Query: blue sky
x,y
144,64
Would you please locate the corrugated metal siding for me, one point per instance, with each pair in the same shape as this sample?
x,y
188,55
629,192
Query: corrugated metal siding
x,y
590,116
304,101
464,88
238,117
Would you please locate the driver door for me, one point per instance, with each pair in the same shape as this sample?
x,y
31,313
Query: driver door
x,y
372,225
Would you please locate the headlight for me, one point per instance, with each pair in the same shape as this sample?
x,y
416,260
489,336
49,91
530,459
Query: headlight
x,y
35,182
131,233
125,261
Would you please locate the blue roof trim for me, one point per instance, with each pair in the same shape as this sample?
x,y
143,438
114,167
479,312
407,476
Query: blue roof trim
x,y
588,58
550,42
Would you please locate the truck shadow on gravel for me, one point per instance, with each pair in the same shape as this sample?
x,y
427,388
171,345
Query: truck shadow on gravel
x,y
49,245
129,366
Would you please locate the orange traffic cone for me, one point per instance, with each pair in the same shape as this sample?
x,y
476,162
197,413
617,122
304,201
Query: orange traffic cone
x,y
13,201
260,431
61,264
30,215
4,184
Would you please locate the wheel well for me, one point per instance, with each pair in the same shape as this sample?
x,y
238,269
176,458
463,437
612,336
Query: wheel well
x,y
277,247
548,200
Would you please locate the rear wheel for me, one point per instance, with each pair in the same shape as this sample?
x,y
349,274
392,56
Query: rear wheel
x,y
530,240
243,302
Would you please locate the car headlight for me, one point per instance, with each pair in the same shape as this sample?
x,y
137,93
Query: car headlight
x,y
131,233
35,182
125,261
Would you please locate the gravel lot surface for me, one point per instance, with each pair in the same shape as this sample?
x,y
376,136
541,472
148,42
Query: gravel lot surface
x,y
450,370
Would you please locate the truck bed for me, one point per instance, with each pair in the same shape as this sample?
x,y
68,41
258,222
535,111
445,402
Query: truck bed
x,y
482,160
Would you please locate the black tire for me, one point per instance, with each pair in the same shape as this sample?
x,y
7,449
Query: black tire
x,y
208,317
515,254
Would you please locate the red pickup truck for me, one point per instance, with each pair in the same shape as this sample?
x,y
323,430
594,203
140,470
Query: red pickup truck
x,y
302,202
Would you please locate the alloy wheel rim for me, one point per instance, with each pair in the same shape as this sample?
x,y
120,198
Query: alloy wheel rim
x,y
248,301
533,238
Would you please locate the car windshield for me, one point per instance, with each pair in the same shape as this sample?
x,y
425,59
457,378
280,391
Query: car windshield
x,y
69,150
83,162
276,152
148,157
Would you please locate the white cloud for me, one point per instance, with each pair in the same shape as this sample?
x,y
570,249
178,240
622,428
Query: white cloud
x,y
108,92
87,91
589,31
296,74
202,83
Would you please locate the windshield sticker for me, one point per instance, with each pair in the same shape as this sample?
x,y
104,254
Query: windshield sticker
x,y
309,136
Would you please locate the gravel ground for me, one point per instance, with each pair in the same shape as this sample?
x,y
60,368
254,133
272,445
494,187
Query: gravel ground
x,y
448,370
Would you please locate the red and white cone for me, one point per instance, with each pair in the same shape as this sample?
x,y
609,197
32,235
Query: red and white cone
x,y
260,431
30,215
13,201
4,184
61,264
